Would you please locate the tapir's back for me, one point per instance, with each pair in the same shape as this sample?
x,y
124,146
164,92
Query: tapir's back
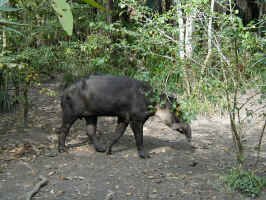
x,y
110,95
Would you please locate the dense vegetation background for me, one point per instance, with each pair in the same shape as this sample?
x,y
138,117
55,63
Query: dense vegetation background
x,y
205,52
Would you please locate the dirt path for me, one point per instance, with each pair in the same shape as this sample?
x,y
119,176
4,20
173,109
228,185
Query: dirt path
x,y
174,171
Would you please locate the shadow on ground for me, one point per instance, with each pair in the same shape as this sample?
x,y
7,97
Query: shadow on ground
x,y
176,170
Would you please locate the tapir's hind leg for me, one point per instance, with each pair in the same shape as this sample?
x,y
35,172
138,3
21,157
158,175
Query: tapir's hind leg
x,y
122,124
137,127
91,132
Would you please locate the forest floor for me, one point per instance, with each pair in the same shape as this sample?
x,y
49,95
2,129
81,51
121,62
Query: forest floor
x,y
176,169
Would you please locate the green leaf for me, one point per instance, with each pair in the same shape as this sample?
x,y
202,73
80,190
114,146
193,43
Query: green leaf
x,y
94,4
63,11
8,9
6,22
12,30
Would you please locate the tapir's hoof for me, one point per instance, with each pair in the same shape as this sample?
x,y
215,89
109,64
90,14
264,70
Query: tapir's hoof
x,y
100,149
143,155
189,140
62,149
108,152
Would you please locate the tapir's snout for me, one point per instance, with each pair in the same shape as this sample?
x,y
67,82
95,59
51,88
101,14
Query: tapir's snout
x,y
183,128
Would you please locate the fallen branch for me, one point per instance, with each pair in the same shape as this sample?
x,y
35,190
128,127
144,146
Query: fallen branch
x,y
37,187
82,143
109,195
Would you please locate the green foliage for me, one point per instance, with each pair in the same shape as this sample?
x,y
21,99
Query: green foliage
x,y
144,47
63,11
94,4
245,182
41,60
19,76
6,103
6,23
5,8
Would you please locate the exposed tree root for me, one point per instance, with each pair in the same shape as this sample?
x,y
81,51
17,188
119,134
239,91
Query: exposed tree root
x,y
37,187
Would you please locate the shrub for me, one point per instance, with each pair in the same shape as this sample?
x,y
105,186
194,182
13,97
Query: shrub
x,y
245,182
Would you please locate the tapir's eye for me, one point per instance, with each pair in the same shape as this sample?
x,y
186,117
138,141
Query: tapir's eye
x,y
68,98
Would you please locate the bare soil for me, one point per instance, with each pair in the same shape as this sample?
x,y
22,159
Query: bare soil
x,y
176,169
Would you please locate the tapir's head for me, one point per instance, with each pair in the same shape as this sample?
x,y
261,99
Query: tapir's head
x,y
169,112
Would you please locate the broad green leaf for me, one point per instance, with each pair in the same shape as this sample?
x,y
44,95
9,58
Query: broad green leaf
x,y
8,9
63,11
6,22
12,30
94,4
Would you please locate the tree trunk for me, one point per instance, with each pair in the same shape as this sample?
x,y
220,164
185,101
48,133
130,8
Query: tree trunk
x,y
182,53
188,46
109,8
181,30
155,5
160,7
4,42
25,105
4,38
209,37
168,4
188,34
261,9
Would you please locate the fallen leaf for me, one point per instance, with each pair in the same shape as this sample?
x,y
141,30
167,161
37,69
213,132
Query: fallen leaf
x,y
51,173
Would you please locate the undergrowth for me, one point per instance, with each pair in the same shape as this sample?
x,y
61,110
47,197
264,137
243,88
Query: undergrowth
x,y
246,182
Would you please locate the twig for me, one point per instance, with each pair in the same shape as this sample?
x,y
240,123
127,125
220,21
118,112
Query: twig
x,y
109,195
259,145
209,38
166,80
167,36
263,58
29,167
37,187
78,144
194,61
163,56
217,45
248,99
253,111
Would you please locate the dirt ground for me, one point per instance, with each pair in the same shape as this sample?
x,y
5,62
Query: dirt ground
x,y
176,169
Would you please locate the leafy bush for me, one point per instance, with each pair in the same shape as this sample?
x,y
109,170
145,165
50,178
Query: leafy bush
x,y
245,182
6,102
144,47
42,59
